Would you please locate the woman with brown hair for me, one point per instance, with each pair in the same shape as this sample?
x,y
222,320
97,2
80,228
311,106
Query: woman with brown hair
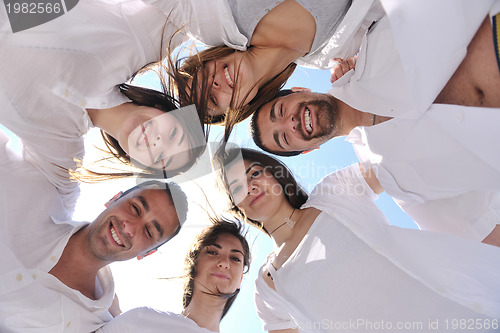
x,y
214,266
349,263
61,78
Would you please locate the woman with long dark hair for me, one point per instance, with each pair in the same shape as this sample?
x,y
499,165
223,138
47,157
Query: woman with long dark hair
x,y
349,263
214,266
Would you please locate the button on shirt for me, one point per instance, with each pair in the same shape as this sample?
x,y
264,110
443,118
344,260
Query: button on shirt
x,y
34,229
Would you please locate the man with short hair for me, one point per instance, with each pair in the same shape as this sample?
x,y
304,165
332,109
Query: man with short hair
x,y
431,142
54,273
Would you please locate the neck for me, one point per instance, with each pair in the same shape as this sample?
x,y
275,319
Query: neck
x,y
351,118
267,62
111,120
205,310
281,232
77,268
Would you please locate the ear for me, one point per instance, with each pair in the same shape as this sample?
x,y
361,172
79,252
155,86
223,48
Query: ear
x,y
113,199
142,256
300,89
308,151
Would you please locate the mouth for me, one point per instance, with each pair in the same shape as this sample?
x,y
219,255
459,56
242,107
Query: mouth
x,y
114,236
307,121
146,130
220,276
229,81
257,198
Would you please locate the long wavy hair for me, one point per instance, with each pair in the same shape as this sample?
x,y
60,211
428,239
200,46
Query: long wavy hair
x,y
207,237
294,193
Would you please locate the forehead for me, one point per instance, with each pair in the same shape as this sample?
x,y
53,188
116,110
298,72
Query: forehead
x,y
229,242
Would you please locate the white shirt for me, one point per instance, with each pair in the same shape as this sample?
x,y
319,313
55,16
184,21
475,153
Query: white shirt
x,y
212,23
147,320
351,265
34,230
51,73
432,158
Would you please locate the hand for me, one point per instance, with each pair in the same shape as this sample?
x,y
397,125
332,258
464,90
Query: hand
x,y
342,67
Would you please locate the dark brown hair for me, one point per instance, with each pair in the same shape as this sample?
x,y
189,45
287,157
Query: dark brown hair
x,y
207,237
294,193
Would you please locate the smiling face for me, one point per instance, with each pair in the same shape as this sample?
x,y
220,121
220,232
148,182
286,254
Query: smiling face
x,y
159,141
132,225
257,193
298,122
225,75
219,266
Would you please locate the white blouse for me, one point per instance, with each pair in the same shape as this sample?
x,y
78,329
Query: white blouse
x,y
147,320
50,75
353,269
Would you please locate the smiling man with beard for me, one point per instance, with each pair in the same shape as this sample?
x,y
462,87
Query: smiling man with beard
x,y
427,128
53,271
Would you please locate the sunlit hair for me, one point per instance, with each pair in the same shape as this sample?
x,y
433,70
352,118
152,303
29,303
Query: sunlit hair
x,y
293,192
207,237
151,98
257,135
193,88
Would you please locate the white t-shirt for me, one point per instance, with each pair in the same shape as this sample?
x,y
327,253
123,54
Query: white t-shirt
x,y
147,320
50,75
34,230
352,267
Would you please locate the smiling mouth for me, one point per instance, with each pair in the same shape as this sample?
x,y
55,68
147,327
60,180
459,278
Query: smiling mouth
x,y
307,121
220,276
146,130
228,77
257,198
115,236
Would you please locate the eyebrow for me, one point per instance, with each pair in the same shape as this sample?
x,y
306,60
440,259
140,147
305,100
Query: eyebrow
x,y
232,250
277,140
155,223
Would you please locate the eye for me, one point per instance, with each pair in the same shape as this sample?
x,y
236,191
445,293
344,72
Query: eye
x,y
285,138
256,174
148,233
212,252
236,259
159,159
212,99
136,209
236,189
174,132
281,111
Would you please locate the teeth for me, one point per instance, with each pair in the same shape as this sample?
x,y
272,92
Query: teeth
x,y
143,136
228,77
307,118
115,237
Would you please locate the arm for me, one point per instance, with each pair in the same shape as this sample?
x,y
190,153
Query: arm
x,y
371,179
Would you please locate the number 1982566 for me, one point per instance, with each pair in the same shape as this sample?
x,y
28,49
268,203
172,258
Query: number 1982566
x,y
33,8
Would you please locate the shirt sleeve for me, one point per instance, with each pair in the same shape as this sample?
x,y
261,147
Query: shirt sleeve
x,y
272,308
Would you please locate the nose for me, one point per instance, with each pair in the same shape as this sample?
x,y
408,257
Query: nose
x,y
129,227
223,262
290,123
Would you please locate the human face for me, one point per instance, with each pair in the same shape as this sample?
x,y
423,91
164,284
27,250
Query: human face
x,y
219,266
298,122
226,74
132,225
159,142
257,193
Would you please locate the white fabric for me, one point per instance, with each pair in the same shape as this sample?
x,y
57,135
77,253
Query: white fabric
x,y
436,160
360,268
34,229
221,29
51,73
148,320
